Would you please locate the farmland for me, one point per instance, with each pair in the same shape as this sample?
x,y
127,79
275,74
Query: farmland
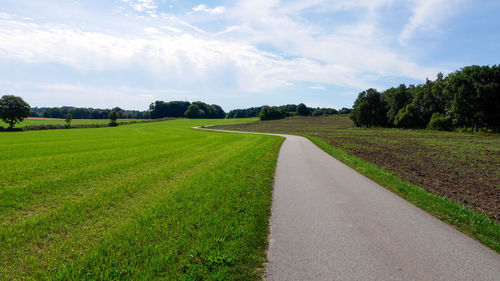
x,y
55,121
149,201
464,168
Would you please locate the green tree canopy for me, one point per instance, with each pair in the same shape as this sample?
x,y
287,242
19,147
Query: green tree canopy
x,y
271,113
193,111
303,110
13,110
369,110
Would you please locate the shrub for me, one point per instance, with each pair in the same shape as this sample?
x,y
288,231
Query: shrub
x,y
113,116
440,122
68,117
407,117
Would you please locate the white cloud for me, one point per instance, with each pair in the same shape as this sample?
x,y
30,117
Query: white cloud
x,y
177,57
318,87
174,48
203,8
427,16
142,5
60,94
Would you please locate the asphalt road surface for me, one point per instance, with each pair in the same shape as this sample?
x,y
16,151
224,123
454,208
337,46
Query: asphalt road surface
x,y
331,223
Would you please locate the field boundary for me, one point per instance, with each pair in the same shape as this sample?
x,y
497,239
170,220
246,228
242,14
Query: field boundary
x,y
464,219
76,126
468,221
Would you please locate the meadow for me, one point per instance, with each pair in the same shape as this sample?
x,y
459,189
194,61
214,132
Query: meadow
x,y
145,201
461,169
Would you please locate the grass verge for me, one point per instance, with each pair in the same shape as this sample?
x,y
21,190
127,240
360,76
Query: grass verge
x,y
471,222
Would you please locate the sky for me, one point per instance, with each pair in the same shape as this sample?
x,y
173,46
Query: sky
x,y
238,54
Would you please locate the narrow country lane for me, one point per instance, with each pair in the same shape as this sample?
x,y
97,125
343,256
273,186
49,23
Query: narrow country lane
x,y
331,223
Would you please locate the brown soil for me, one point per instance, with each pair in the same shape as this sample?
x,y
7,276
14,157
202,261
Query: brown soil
x,y
473,182
463,168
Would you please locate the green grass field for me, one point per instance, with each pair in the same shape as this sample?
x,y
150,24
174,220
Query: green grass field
x,y
451,175
49,121
145,201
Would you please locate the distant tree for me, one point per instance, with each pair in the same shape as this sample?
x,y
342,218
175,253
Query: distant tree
x,y
467,98
271,113
324,112
303,110
205,110
369,110
13,110
193,111
53,113
113,116
475,98
345,110
161,109
217,111
332,111
68,117
317,112
396,99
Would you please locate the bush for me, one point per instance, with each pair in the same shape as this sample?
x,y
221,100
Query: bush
x,y
407,117
68,117
440,122
113,116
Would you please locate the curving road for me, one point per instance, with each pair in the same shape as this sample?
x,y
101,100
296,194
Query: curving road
x,y
331,223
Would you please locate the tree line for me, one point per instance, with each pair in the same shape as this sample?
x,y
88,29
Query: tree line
x,y
14,110
467,98
86,113
284,111
197,109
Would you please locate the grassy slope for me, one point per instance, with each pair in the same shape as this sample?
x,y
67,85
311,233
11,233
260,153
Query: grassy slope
x,y
323,132
145,201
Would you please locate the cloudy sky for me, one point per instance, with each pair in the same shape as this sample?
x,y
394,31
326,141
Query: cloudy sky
x,y
129,53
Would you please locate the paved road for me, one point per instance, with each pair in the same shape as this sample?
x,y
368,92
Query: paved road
x,y
331,223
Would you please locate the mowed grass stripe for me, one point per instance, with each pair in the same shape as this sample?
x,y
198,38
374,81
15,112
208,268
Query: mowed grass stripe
x,y
74,181
110,191
221,239
109,204
90,214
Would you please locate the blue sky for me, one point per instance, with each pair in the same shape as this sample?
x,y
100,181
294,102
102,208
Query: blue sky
x,y
129,53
